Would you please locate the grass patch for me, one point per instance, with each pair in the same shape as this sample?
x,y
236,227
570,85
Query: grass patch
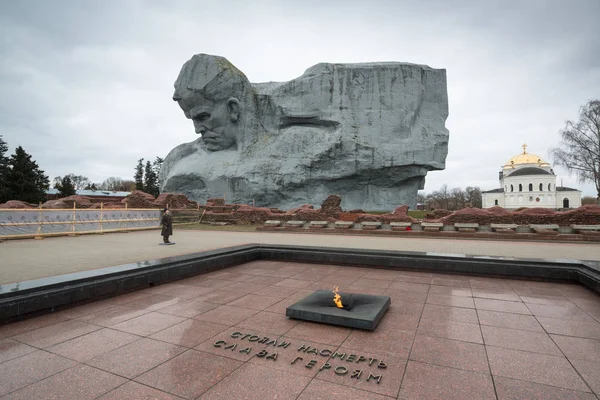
x,y
411,213
417,213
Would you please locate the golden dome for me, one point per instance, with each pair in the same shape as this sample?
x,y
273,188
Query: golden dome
x,y
525,158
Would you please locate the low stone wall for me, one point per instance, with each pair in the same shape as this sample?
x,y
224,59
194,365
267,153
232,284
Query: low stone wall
x,y
458,230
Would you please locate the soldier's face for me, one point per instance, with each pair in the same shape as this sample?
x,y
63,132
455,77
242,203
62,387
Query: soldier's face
x,y
214,121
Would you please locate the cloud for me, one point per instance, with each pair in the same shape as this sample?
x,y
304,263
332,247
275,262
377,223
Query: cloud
x,y
87,85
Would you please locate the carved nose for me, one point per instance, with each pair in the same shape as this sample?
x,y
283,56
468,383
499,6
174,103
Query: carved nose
x,y
200,128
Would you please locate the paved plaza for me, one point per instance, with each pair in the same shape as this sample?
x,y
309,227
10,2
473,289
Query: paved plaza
x,y
31,259
224,335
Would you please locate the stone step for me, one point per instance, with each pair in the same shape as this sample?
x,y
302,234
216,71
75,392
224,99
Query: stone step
x,y
586,227
544,226
296,224
465,225
343,224
370,225
272,223
503,226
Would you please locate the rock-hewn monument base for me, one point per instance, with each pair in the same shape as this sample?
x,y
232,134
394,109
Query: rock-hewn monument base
x,y
369,132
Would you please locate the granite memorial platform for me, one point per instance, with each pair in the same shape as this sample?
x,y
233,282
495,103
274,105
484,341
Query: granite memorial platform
x,y
221,331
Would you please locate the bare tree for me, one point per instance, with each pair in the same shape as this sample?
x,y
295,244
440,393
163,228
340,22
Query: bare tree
x,y
588,200
454,199
579,150
115,183
78,181
441,198
473,196
458,199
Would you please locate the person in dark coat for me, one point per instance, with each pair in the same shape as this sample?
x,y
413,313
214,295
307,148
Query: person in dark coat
x,y
167,225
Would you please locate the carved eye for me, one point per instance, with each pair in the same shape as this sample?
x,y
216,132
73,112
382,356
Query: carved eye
x,y
202,116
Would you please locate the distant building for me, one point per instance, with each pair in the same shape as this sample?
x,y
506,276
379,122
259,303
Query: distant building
x,y
528,181
95,196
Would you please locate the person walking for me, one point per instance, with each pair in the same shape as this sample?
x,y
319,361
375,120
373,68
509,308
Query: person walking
x,y
167,225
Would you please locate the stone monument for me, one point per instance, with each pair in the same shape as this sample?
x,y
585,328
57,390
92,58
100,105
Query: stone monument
x,y
367,132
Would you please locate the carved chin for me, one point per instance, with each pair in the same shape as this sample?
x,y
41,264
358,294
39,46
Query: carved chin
x,y
217,145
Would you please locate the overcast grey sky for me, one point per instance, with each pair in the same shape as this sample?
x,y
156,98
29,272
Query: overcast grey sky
x,y
85,86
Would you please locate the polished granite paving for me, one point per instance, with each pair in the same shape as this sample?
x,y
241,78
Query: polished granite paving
x,y
224,335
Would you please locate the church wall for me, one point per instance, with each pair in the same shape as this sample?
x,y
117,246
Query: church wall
x,y
534,198
574,199
552,200
489,200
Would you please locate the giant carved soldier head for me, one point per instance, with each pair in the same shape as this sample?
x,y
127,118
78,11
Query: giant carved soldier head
x,y
216,96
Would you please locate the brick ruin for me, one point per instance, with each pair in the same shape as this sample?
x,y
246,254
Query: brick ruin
x,y
584,215
218,211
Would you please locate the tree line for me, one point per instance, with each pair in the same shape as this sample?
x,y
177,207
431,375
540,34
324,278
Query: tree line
x,y
21,178
144,179
451,199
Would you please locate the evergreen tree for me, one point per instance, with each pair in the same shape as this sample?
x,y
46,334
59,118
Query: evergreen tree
x,y
139,175
26,181
66,187
150,180
5,194
157,164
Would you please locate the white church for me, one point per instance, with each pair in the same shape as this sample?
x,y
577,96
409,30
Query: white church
x,y
528,181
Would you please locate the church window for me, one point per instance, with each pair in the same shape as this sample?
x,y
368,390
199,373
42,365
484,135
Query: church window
x,y
541,187
512,189
530,198
496,202
520,187
549,187
531,187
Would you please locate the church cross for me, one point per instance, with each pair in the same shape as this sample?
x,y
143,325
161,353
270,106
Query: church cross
x,y
524,146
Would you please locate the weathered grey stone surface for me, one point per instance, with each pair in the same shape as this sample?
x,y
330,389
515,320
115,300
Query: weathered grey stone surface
x,y
367,132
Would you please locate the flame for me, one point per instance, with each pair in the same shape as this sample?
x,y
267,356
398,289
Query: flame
x,y
337,299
